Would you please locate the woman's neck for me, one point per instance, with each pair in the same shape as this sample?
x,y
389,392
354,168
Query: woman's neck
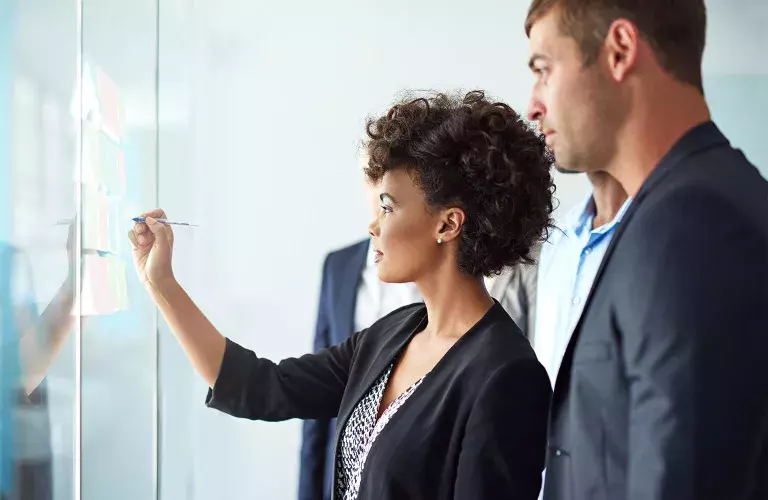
x,y
455,301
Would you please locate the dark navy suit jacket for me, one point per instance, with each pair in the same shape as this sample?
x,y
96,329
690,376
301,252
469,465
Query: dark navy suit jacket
x,y
663,390
342,272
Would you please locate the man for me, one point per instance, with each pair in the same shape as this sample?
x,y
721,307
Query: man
x,y
568,264
662,392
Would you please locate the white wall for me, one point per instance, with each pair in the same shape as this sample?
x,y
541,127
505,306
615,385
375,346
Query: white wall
x,y
262,105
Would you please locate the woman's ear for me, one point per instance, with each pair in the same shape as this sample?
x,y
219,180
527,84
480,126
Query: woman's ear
x,y
451,222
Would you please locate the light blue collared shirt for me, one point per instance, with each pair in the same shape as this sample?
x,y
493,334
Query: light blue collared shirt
x,y
568,264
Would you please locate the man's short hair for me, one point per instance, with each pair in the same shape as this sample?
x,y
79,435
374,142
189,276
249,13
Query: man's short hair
x,y
675,30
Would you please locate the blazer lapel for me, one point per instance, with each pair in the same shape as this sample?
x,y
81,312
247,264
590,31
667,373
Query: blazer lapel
x,y
385,356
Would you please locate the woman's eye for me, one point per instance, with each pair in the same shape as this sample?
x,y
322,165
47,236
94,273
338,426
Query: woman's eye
x,y
386,209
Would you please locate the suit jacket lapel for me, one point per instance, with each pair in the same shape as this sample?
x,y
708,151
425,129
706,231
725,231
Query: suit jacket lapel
x,y
563,379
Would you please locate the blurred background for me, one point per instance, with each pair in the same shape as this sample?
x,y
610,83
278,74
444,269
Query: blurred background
x,y
243,117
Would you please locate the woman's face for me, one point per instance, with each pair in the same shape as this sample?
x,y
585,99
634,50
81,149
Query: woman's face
x,y
404,232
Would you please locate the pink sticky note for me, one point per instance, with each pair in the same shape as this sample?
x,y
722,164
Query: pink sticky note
x,y
109,100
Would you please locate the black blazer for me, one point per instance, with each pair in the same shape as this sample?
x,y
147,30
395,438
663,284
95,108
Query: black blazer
x,y
663,392
475,429
342,272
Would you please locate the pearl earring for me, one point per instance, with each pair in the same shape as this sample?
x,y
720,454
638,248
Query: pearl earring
x,y
439,241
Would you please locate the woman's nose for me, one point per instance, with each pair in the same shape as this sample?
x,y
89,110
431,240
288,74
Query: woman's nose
x,y
373,227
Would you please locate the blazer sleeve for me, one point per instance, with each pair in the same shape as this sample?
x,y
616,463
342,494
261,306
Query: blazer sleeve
x,y
695,344
519,295
513,299
316,433
503,449
309,387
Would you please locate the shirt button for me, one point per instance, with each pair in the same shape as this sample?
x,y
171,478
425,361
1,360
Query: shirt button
x,y
588,251
577,301
558,453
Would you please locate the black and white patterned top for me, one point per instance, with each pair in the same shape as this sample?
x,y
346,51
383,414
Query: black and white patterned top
x,y
361,431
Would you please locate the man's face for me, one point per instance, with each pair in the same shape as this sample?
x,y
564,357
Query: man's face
x,y
575,106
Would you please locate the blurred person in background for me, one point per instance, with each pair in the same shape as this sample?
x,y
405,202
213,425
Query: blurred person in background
x,y
662,392
451,385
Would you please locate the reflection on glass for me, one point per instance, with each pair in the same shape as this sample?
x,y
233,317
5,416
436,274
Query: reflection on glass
x,y
118,170
31,343
38,257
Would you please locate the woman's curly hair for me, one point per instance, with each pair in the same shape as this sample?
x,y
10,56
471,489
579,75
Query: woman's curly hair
x,y
478,155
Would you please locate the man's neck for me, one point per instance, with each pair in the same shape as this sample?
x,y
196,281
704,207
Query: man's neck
x,y
608,197
656,124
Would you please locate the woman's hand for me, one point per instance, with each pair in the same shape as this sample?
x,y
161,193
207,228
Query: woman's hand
x,y
153,250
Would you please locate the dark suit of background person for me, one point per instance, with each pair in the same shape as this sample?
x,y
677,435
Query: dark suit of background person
x,y
342,275
663,392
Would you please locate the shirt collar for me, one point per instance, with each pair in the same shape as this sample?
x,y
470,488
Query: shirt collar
x,y
581,216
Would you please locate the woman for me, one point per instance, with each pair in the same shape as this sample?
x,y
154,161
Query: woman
x,y
437,400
